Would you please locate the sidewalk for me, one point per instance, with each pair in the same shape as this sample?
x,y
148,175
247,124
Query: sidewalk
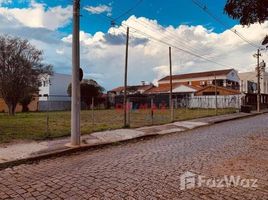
x,y
12,154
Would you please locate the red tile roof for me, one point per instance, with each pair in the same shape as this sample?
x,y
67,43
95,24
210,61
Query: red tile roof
x,y
132,88
163,88
198,74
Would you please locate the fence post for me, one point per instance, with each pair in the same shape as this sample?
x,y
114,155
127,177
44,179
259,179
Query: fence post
x,y
238,102
128,112
47,117
92,112
152,111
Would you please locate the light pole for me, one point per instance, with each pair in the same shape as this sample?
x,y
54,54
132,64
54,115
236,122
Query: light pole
x,y
76,102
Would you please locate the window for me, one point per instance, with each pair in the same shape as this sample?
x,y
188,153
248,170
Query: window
x,y
202,83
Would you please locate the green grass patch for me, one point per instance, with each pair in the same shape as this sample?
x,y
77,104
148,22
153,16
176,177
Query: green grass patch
x,y
33,125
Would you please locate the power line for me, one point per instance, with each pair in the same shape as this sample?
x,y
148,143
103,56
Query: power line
x,y
129,10
175,47
205,9
173,36
148,36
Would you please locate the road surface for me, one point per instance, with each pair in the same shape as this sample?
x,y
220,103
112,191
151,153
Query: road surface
x,y
152,168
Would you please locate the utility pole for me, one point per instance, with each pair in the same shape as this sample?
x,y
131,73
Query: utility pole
x,y
258,81
216,96
75,116
171,88
125,81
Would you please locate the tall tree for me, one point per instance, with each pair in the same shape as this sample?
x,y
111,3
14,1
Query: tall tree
x,y
247,11
20,69
89,89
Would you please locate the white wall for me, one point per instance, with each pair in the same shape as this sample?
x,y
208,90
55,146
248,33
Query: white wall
x,y
55,87
44,87
58,87
230,101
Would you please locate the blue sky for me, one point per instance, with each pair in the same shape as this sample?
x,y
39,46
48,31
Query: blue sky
x,y
172,12
181,24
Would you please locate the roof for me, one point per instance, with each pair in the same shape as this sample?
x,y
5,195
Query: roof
x,y
198,74
132,88
219,87
163,88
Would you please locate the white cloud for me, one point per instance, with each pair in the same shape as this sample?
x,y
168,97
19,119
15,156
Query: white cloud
x,y
103,54
99,9
3,2
38,16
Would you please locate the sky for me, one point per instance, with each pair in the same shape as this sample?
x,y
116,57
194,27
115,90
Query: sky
x,y
198,41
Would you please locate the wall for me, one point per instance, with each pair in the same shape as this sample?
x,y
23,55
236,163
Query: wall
x,y
251,76
54,105
33,106
56,87
230,101
59,86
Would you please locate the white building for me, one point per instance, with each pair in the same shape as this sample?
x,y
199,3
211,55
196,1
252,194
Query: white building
x,y
53,92
54,87
248,82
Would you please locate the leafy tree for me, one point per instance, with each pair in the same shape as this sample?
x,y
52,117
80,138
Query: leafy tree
x,y
89,89
20,69
247,11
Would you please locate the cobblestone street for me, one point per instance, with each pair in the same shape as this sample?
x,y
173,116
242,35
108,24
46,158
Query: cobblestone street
x,y
151,168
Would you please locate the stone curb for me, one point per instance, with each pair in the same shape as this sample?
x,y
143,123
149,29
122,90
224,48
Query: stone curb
x,y
84,147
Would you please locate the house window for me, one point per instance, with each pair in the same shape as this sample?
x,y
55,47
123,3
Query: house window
x,y
189,82
202,83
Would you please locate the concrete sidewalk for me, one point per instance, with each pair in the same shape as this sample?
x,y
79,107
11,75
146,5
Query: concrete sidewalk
x,y
12,154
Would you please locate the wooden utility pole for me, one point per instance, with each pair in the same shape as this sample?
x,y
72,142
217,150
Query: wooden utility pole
x,y
75,115
258,81
171,88
92,112
216,96
125,81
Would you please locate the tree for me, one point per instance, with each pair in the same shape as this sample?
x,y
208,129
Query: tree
x,y
20,69
25,101
89,89
247,11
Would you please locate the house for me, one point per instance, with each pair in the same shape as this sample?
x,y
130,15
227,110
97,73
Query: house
x,y
134,89
200,83
227,78
115,96
53,92
54,87
178,89
248,82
